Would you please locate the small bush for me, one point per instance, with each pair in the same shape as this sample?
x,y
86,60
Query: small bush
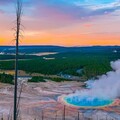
x,y
59,79
6,78
37,79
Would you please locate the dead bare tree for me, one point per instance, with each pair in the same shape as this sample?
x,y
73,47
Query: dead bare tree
x,y
18,101
17,36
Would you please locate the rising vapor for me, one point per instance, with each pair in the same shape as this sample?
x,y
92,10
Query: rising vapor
x,y
105,87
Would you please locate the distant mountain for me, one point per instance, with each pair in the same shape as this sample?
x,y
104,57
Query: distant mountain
x,y
47,48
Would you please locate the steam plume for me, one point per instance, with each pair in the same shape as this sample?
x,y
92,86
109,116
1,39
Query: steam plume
x,y
106,86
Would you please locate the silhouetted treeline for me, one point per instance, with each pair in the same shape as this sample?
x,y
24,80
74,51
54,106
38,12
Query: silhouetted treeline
x,y
44,79
10,57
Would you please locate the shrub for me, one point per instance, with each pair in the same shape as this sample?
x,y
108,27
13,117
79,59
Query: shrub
x,y
37,79
6,78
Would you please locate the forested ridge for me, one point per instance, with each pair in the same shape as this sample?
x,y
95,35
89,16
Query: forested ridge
x,y
93,64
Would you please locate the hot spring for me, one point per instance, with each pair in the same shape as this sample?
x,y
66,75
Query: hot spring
x,y
87,101
100,92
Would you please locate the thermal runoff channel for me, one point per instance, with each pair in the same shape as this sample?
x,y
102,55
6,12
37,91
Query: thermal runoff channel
x,y
101,92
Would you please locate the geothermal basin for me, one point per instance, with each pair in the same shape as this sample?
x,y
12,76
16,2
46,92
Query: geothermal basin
x,y
98,94
86,102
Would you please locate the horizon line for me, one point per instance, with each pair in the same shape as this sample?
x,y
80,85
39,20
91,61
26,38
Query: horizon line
x,y
62,45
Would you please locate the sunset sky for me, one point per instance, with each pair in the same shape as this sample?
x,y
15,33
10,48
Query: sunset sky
x,y
63,22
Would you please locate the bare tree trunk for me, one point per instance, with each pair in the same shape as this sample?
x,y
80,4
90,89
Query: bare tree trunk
x,y
78,115
64,112
42,115
18,24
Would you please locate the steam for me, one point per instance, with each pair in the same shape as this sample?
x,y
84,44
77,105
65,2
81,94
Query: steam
x,y
106,86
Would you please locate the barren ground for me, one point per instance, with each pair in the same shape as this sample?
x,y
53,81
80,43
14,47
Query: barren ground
x,y
39,101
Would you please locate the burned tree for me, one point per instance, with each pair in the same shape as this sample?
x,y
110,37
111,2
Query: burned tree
x,y
17,36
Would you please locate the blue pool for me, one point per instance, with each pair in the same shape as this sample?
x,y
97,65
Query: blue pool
x,y
87,101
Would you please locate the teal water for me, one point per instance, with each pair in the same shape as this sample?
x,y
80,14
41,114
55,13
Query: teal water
x,y
87,101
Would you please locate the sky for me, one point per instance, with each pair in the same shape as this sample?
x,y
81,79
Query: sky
x,y
62,22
